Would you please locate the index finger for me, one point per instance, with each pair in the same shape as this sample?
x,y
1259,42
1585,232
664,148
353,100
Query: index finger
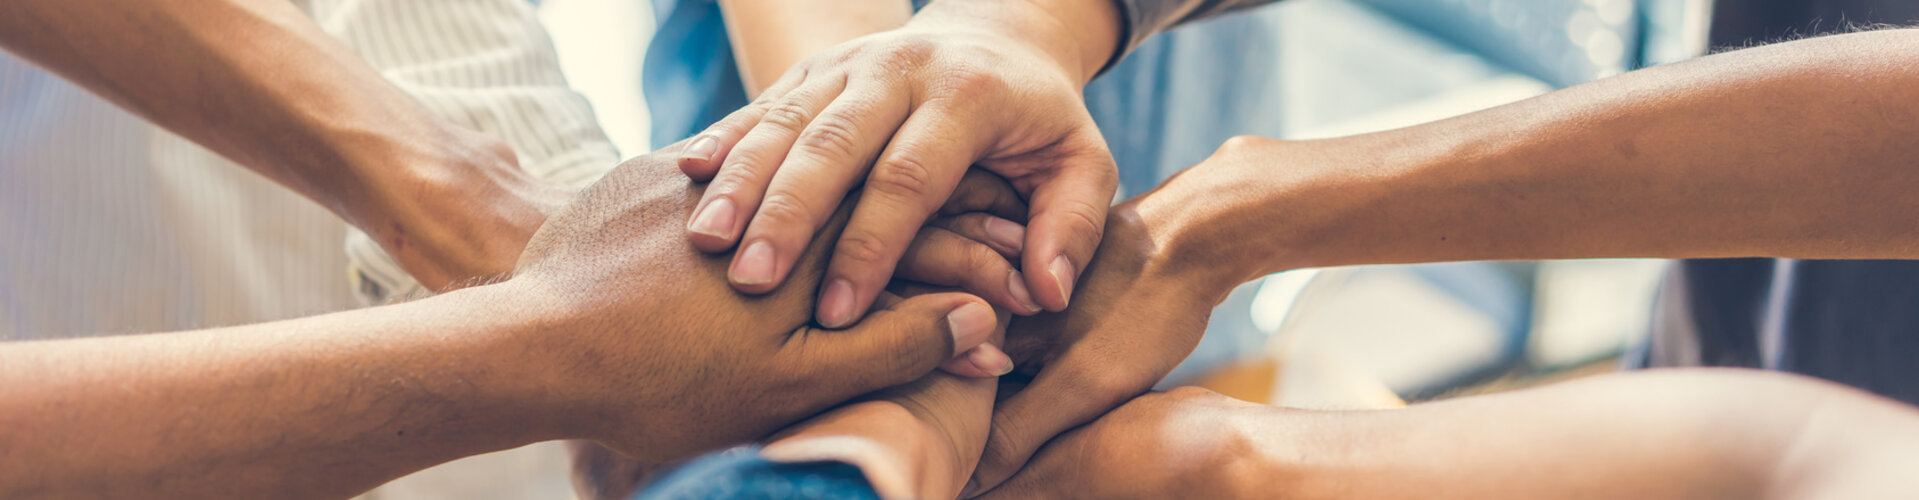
x,y
915,174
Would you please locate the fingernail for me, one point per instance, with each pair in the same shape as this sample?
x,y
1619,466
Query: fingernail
x,y
991,361
755,266
1062,271
715,220
1008,234
970,325
1017,284
972,488
836,304
701,148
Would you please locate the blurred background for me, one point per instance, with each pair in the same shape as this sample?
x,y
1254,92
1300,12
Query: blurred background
x,y
1371,336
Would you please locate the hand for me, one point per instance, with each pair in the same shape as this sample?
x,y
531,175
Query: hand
x,y
951,251
1140,313
995,86
660,358
1178,444
458,219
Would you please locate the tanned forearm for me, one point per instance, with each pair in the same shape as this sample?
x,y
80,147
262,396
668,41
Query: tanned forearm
x,y
260,83
1657,434
1803,149
769,36
321,407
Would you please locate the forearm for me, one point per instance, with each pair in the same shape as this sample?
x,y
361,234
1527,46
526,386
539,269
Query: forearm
x,y
321,407
1672,434
1801,149
920,440
1082,36
769,36
258,82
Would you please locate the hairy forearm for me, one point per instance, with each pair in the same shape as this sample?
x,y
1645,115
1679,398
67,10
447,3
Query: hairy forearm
x,y
1659,434
1800,149
769,36
256,81
321,407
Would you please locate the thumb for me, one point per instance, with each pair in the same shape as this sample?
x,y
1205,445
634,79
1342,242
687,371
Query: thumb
x,y
900,342
1067,219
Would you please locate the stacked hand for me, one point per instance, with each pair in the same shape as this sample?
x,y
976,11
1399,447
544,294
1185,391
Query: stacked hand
x,y
663,359
921,106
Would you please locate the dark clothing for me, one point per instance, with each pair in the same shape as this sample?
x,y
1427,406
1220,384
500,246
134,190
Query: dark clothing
x,y
1141,19
1852,322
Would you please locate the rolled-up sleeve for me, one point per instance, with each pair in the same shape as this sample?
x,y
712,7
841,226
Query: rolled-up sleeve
x,y
1141,19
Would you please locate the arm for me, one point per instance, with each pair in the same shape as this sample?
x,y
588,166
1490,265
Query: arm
x,y
1656,434
770,36
604,333
260,83
327,406
1799,149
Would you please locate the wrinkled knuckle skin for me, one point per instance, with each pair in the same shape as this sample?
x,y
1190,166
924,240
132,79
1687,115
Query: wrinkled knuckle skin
x,y
907,53
1084,218
904,177
830,136
784,211
861,247
788,114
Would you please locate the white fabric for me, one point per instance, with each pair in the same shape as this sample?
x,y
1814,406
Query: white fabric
x,y
109,225
484,64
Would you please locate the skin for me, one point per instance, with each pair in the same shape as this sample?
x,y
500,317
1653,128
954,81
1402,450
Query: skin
x,y
966,82
605,333
298,107
928,425
770,36
1801,150
1659,434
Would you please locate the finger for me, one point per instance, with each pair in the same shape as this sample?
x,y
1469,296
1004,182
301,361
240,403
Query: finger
x,y
985,361
1003,236
942,257
1068,218
912,178
705,151
736,190
1066,394
894,345
984,191
825,160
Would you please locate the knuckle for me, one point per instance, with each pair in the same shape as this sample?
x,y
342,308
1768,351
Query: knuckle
x,y
784,210
965,83
789,114
1083,217
903,176
861,246
907,52
830,136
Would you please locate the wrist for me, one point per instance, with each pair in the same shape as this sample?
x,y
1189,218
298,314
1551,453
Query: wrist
x,y
1260,206
1080,36
516,355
